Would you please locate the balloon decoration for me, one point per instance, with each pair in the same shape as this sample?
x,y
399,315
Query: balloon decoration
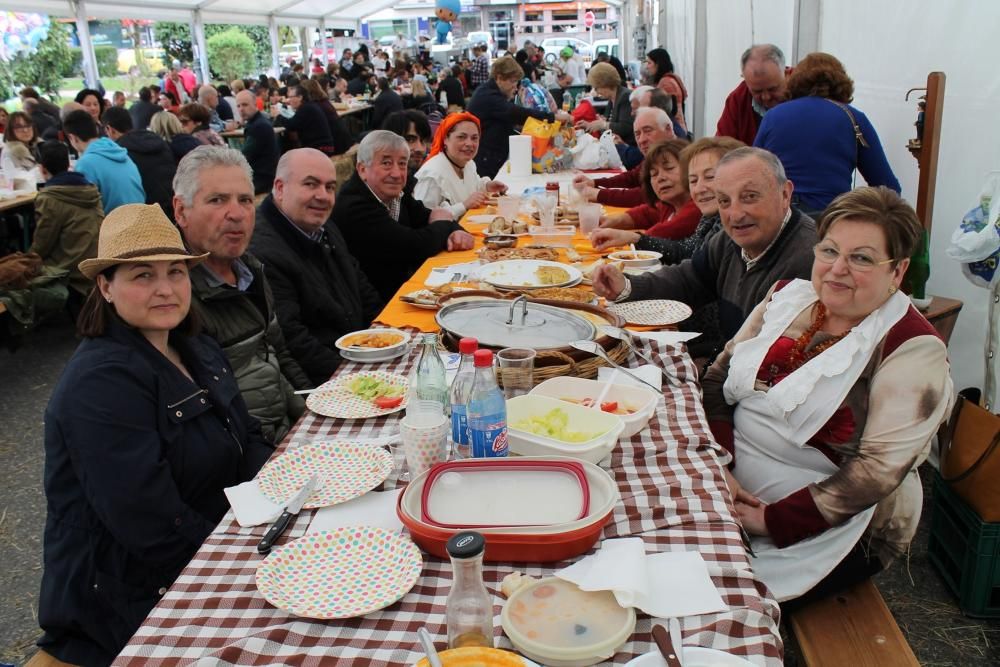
x,y
20,34
446,12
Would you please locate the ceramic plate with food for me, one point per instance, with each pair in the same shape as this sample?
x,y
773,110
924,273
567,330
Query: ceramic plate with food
x,y
500,254
529,274
370,345
569,294
421,298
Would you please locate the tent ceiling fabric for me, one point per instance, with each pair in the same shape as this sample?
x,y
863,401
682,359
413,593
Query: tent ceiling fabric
x,y
287,12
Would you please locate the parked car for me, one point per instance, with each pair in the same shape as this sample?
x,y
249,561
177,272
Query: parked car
x,y
609,46
553,45
290,52
152,56
483,37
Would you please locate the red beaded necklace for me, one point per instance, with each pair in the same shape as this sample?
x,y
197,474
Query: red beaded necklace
x,y
797,354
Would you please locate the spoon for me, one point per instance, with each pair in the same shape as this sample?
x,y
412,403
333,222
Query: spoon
x,y
593,348
604,392
626,337
428,644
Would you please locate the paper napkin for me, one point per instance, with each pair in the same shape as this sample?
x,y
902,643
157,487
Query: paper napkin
x,y
250,506
666,584
648,372
454,273
372,509
667,337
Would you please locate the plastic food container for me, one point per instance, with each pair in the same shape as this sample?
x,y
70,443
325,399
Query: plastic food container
x,y
638,259
373,354
560,236
556,624
531,544
476,494
639,401
479,656
606,427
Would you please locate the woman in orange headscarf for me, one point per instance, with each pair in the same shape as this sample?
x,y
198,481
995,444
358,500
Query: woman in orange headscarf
x,y
448,178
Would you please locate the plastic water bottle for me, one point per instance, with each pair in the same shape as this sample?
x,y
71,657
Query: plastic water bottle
x,y
487,410
429,382
461,388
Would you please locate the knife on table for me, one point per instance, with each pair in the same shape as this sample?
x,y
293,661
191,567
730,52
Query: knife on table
x,y
291,509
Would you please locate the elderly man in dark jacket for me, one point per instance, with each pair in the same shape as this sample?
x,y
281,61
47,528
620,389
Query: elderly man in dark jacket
x,y
260,147
214,207
320,291
150,153
389,231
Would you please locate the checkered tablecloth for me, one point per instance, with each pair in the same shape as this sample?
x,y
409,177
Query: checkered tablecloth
x,y
672,496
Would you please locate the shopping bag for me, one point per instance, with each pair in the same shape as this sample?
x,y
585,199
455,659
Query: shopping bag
x,y
547,146
976,241
609,152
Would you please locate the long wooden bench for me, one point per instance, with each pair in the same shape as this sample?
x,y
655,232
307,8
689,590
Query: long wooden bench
x,y
853,628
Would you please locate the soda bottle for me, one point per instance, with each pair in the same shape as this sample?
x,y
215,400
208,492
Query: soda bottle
x,y
461,388
429,380
469,608
487,410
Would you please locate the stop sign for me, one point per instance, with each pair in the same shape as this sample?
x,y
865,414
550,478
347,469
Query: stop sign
x,y
588,19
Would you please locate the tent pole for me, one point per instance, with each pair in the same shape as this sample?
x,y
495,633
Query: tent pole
x,y
698,124
306,45
324,52
201,51
805,39
86,45
272,31
625,25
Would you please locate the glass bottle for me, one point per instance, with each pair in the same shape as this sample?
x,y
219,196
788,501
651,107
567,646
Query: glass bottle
x,y
469,608
461,388
430,382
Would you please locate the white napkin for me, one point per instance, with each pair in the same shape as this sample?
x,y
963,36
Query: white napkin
x,y
372,509
446,274
250,506
667,337
648,372
667,584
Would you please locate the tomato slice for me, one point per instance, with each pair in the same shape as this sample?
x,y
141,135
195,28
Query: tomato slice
x,y
609,406
386,402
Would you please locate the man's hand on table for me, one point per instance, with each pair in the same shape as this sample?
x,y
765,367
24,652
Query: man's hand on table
x,y
749,508
460,240
475,200
497,187
608,281
440,214
581,181
606,237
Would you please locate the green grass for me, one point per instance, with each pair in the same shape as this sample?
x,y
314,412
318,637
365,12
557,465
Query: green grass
x,y
123,83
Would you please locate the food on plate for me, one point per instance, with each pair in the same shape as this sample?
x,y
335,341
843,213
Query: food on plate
x,y
638,254
553,424
500,254
422,297
370,388
563,294
514,581
501,225
388,402
551,275
372,340
614,407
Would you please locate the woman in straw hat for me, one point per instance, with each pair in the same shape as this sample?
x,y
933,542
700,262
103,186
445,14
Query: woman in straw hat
x,y
449,178
142,434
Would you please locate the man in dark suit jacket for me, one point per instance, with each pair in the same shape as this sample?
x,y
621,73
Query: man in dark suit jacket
x,y
389,231
142,111
259,146
387,101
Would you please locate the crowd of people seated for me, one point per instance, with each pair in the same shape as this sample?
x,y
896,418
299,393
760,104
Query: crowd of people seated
x,y
209,284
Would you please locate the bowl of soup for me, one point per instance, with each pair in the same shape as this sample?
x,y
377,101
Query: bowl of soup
x,y
636,259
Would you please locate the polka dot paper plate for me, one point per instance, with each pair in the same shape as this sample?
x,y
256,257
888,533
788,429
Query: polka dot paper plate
x,y
344,471
334,399
654,313
347,572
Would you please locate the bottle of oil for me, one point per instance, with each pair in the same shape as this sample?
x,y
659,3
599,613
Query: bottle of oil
x,y
469,609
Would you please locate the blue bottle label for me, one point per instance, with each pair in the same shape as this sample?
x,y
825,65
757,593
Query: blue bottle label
x,y
490,441
459,424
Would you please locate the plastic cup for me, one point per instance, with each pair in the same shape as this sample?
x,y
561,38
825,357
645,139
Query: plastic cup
x,y
425,440
590,216
508,207
517,367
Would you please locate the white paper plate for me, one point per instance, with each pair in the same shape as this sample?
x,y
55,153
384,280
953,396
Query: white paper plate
x,y
694,656
655,312
520,274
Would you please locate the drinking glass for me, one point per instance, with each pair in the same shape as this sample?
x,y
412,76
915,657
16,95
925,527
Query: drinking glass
x,y
517,366
546,210
590,216
508,207
425,440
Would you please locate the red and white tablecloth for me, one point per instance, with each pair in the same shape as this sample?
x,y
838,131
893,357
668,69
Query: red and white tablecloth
x,y
673,497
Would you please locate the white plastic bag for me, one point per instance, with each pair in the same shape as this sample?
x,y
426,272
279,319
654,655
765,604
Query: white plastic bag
x,y
976,241
587,152
613,160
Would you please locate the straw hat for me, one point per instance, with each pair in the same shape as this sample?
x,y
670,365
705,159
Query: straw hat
x,y
137,233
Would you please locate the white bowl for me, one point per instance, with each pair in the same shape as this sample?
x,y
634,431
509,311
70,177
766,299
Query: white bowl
x,y
608,427
641,401
375,353
637,259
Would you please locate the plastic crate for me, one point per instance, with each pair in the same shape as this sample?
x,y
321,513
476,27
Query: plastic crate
x,y
966,551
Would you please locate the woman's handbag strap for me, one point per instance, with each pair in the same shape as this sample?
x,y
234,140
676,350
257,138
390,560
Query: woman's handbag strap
x,y
994,443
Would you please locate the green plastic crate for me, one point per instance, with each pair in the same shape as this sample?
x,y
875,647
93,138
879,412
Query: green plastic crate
x,y
966,551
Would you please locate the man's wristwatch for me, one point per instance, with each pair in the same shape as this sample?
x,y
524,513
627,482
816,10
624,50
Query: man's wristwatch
x,y
625,293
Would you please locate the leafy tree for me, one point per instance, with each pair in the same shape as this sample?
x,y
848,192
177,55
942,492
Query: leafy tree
x,y
231,54
45,69
176,40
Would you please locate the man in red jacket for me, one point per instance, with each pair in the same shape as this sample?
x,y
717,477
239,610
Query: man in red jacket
x,y
651,124
762,88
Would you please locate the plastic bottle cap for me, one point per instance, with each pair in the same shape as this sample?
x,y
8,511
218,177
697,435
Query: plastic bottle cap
x,y
468,345
483,358
466,544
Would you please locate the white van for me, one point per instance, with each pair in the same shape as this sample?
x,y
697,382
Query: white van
x,y
483,37
609,46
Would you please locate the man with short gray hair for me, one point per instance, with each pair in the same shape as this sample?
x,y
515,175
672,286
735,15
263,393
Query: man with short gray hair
x,y
320,291
213,205
209,97
762,88
389,231
765,240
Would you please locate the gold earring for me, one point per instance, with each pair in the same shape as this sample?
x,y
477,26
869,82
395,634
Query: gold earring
x,y
892,290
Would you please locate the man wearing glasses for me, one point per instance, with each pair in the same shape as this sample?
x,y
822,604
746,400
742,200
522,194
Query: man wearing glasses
x,y
766,240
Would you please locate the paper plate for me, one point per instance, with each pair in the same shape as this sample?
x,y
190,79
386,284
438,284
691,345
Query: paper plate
x,y
657,312
339,574
694,656
334,399
522,274
345,471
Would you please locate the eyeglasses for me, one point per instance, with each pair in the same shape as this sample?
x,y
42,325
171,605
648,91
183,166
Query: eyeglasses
x,y
21,127
857,261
